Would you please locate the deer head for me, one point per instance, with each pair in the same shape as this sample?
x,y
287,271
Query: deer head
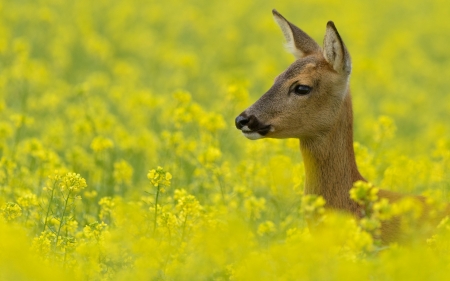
x,y
306,99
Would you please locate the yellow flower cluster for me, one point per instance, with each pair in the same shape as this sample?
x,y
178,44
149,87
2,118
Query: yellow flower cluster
x,y
159,178
364,193
312,206
72,183
106,205
254,207
11,211
123,172
100,144
266,228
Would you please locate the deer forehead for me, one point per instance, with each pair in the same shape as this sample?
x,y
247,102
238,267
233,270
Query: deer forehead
x,y
303,68
311,72
300,66
297,73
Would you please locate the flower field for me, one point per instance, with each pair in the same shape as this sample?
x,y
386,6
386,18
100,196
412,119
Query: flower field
x,y
119,158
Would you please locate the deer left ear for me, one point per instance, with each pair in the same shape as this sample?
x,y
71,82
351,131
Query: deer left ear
x,y
297,42
335,52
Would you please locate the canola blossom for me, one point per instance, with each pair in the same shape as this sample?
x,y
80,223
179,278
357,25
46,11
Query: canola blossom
x,y
119,159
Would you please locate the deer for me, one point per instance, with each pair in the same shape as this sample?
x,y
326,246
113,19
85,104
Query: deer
x,y
311,101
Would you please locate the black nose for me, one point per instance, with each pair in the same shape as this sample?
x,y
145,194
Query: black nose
x,y
241,121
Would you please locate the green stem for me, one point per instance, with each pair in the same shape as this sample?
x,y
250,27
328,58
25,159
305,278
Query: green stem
x,y
222,192
65,252
62,218
156,209
16,140
184,226
49,206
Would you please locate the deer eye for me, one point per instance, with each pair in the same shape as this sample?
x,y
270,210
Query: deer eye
x,y
302,90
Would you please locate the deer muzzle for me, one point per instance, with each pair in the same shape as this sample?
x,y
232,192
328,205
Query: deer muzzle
x,y
251,127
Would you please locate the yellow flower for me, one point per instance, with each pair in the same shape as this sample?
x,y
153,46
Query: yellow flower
x,y
11,211
100,144
159,177
383,209
266,228
72,182
384,129
107,206
123,172
363,193
312,206
90,194
28,200
254,207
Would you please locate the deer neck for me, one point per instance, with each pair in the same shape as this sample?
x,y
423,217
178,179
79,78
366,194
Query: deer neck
x,y
330,166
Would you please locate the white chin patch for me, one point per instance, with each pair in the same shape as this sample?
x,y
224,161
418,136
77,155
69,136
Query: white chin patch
x,y
252,135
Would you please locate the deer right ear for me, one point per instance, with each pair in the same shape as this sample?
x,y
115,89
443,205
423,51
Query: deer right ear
x,y
297,42
334,50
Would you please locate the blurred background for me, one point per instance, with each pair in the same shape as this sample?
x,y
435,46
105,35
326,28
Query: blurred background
x,y
112,89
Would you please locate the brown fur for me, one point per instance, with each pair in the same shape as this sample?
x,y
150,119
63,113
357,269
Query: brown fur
x,y
322,119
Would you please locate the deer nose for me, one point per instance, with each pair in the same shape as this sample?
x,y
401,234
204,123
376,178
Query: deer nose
x,y
241,121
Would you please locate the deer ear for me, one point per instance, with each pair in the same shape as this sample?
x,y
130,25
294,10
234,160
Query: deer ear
x,y
297,42
335,51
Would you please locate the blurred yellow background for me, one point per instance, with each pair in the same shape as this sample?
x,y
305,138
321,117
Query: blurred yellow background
x,y
94,94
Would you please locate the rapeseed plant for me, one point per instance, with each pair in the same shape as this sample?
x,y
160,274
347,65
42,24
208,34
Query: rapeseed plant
x,y
11,211
160,179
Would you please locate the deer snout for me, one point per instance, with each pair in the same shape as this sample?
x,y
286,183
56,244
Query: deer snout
x,y
247,123
241,121
251,127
